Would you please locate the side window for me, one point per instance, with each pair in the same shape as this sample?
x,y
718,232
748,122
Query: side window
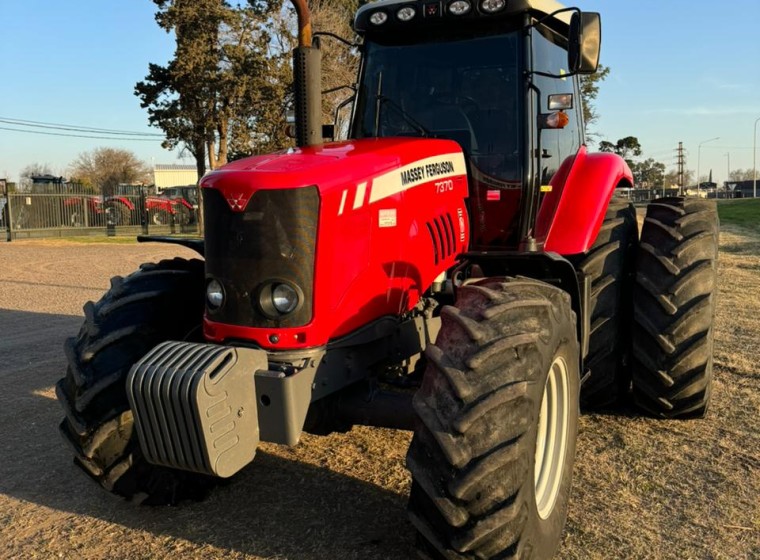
x,y
551,57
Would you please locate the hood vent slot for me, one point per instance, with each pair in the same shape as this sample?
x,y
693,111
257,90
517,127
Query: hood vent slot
x,y
441,230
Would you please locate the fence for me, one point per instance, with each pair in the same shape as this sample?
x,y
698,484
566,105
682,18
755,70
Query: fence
x,y
645,195
64,211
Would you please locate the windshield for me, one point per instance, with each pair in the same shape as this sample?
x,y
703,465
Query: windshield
x,y
466,90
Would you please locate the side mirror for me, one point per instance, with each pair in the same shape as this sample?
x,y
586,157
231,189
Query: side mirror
x,y
585,41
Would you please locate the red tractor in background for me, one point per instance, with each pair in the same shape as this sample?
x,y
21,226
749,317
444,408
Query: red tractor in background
x,y
458,267
124,201
121,208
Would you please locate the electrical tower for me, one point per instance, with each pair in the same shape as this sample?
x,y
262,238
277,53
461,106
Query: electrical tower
x,y
680,161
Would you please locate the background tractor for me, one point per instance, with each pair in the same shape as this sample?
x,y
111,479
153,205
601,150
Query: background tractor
x,y
457,267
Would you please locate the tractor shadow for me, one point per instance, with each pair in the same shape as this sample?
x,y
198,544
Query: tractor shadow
x,y
276,507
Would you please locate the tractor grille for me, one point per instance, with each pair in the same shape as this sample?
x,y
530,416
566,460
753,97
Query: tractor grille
x,y
441,230
273,239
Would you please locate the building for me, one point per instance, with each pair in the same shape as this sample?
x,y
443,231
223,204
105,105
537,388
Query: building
x,y
171,175
741,189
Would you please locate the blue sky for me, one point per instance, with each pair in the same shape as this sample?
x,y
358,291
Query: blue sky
x,y
681,71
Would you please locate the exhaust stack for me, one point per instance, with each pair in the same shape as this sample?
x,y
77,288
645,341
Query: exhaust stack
x,y
307,81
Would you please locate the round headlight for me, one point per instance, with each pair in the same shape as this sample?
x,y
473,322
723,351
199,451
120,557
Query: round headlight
x,y
214,294
459,7
492,6
378,18
406,13
284,298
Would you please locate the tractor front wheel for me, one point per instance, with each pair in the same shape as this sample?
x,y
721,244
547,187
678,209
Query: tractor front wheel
x,y
492,453
159,302
118,214
159,217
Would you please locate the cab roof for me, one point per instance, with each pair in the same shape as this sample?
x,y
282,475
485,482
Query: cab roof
x,y
437,12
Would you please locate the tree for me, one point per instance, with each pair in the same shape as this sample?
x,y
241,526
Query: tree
x,y
627,148
106,168
216,74
671,178
264,130
33,170
225,93
589,91
36,169
742,175
648,173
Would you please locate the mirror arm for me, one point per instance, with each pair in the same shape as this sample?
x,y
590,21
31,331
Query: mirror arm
x,y
551,15
548,75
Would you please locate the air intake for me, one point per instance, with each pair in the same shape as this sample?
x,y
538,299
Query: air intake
x,y
441,230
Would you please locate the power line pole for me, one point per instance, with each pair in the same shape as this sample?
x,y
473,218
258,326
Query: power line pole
x,y
680,160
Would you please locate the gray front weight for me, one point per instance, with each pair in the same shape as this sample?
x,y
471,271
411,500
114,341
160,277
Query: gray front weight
x,y
195,406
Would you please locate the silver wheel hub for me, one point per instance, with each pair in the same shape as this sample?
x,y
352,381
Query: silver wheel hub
x,y
551,438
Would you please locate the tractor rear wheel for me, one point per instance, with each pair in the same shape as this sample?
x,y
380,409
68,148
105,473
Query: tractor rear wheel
x,y
674,307
492,454
609,265
159,302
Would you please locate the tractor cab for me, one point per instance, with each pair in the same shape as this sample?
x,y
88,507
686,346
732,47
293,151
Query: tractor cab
x,y
497,77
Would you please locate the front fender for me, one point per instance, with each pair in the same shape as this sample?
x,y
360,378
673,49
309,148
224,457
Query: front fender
x,y
122,200
582,200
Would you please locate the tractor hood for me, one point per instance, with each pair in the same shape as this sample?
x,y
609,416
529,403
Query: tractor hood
x,y
359,230
336,165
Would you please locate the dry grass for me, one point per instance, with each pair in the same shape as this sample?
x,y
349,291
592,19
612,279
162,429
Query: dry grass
x,y
643,488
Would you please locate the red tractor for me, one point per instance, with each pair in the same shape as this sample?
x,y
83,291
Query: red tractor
x,y
458,267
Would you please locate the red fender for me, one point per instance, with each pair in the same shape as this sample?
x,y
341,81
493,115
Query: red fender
x,y
572,213
122,200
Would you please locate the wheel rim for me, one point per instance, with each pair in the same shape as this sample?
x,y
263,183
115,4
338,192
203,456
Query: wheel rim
x,y
551,439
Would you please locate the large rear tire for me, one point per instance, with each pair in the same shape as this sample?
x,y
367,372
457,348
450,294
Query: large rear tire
x,y
159,302
492,453
674,307
610,265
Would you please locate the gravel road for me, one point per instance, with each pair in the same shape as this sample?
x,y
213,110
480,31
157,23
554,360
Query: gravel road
x,y
643,488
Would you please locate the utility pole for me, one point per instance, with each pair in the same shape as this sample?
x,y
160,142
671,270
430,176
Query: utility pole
x,y
754,160
699,150
728,167
680,160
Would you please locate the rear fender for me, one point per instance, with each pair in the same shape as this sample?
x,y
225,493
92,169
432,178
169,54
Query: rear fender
x,y
572,214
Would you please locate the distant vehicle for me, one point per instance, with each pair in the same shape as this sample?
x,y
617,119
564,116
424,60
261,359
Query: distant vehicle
x,y
187,196
125,198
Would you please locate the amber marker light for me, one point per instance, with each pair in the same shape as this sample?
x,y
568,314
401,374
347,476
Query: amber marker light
x,y
555,120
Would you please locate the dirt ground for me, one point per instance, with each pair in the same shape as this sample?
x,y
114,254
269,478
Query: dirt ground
x,y
643,488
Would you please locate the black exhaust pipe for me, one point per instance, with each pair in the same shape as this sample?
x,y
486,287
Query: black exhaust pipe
x,y
307,81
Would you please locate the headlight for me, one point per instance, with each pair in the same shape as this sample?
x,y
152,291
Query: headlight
x,y
378,18
214,294
406,14
284,298
492,6
459,7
